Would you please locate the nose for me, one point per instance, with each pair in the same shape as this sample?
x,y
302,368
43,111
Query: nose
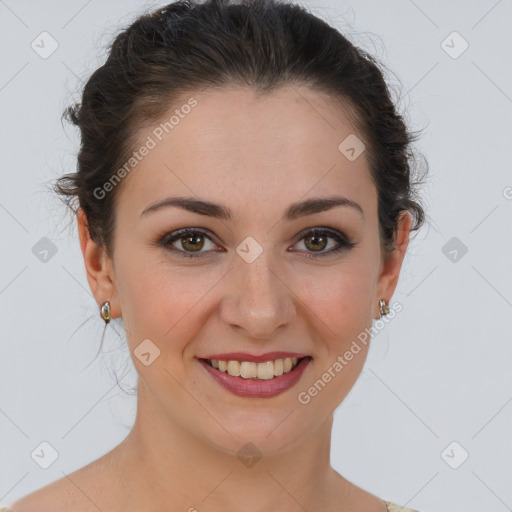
x,y
259,300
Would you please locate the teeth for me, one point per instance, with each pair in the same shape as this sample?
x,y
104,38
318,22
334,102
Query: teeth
x,y
249,370
278,367
266,370
234,368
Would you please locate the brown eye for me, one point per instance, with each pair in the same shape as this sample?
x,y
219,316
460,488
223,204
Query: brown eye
x,y
192,242
317,240
188,242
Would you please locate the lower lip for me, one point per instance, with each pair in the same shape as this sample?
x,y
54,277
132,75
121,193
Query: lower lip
x,y
257,388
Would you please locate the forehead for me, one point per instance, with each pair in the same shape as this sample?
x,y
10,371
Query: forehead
x,y
234,147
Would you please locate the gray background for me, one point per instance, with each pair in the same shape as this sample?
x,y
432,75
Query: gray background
x,y
438,373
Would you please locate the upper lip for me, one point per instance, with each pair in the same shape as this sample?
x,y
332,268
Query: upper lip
x,y
245,356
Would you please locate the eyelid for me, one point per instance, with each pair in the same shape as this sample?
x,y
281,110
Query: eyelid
x,y
172,236
342,240
334,233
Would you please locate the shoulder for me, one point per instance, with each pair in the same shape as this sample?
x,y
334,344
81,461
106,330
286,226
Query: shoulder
x,y
80,491
393,507
56,497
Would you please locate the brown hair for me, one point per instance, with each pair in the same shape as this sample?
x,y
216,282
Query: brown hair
x,y
265,44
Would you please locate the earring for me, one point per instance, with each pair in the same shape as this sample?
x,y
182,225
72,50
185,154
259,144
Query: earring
x,y
105,311
384,309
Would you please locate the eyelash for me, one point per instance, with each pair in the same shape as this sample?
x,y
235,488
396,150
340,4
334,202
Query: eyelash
x,y
344,243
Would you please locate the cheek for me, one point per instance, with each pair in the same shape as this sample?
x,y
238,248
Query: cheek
x,y
341,297
339,308
161,302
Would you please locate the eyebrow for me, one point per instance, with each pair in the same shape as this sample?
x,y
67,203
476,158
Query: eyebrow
x,y
294,211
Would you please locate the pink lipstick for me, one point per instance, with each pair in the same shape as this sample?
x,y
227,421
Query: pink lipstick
x,y
256,388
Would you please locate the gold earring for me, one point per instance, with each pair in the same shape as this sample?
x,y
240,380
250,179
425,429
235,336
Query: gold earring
x,y
105,311
383,306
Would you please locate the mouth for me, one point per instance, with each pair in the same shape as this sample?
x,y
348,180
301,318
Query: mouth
x,y
268,370
256,380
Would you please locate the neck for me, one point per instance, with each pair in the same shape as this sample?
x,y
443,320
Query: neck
x,y
162,463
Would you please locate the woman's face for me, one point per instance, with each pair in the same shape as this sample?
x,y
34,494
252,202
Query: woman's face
x,y
248,283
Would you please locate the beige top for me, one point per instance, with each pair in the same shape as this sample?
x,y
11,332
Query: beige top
x,y
392,507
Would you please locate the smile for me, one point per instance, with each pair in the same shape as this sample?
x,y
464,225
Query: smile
x,y
249,370
257,380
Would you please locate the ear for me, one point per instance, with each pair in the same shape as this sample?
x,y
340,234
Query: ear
x,y
98,267
391,265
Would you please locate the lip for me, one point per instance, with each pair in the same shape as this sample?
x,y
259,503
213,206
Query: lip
x,y
253,388
244,356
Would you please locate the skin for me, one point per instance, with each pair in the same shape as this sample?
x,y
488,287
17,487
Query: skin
x,y
255,156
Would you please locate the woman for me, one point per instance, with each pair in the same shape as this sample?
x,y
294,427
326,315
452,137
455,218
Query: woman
x,y
244,203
